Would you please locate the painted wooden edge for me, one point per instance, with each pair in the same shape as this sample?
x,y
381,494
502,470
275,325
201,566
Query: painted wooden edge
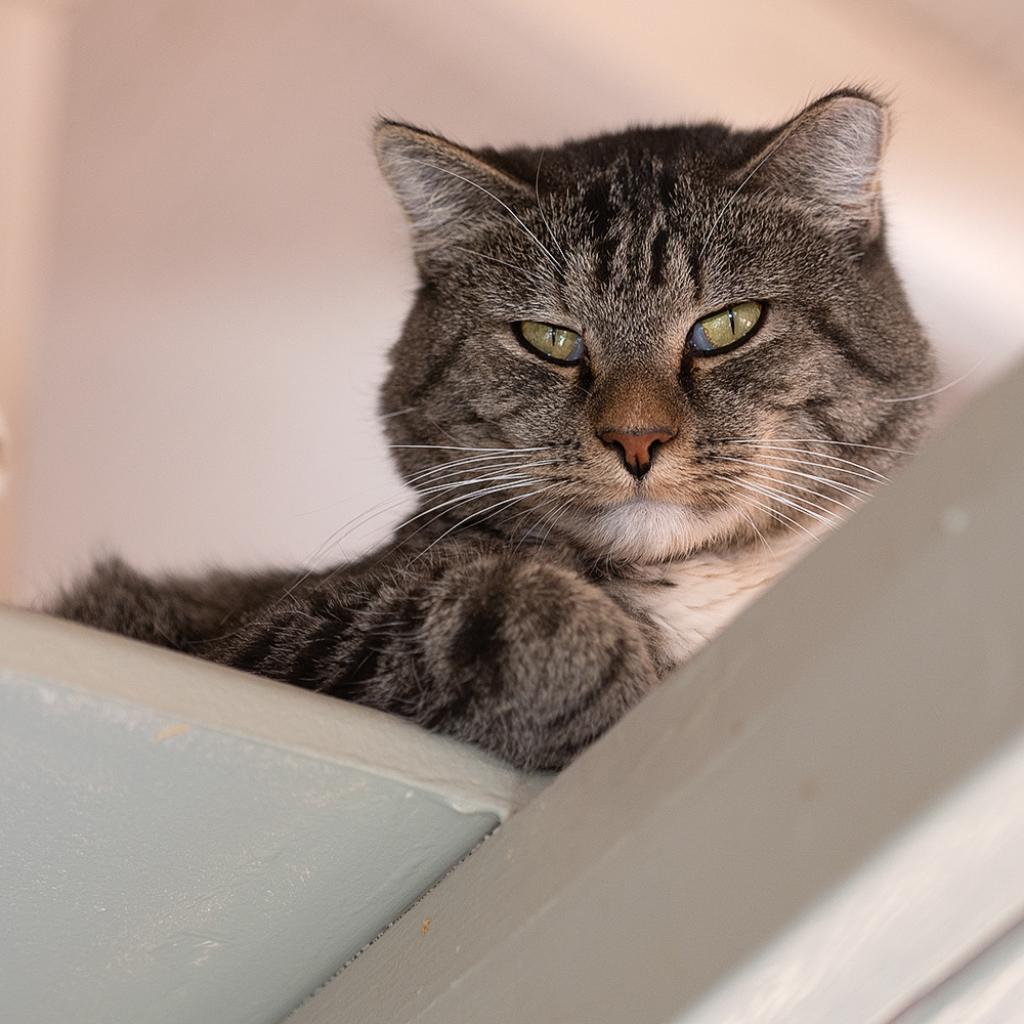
x,y
987,988
814,820
220,698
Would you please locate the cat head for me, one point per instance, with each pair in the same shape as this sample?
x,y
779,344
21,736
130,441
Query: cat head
x,y
655,341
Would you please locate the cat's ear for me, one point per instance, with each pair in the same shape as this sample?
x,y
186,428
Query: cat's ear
x,y
447,192
828,159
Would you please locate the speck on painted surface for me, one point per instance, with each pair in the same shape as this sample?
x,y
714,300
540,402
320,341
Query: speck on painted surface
x,y
425,927
809,789
955,520
170,731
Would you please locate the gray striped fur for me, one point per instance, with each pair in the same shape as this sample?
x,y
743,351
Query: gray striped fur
x,y
517,613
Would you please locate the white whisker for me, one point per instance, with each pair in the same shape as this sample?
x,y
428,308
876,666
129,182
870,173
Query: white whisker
x,y
552,519
776,514
769,153
466,448
398,412
462,499
821,465
525,534
747,516
346,528
945,387
769,492
473,515
494,259
335,538
807,490
540,209
496,459
881,477
815,440
452,484
847,488
487,192
455,476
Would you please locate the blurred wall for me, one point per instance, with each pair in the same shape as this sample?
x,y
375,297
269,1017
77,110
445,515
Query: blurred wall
x,y
31,63
226,271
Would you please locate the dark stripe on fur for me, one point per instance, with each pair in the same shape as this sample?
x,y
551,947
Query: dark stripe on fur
x,y
846,348
658,247
452,709
557,758
313,662
586,702
598,204
667,190
252,657
606,250
696,273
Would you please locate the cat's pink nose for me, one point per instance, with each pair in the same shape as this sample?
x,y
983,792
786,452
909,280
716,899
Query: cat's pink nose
x,y
636,447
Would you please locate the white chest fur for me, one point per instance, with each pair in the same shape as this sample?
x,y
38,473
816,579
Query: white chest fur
x,y
691,600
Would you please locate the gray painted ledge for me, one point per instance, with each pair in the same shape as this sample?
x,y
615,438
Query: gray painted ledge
x,y
819,819
183,843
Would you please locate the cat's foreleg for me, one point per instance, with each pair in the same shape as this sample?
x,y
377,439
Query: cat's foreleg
x,y
173,611
518,655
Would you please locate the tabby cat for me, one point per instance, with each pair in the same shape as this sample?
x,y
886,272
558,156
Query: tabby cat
x,y
641,372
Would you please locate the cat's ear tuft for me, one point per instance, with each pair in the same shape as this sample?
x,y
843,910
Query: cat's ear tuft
x,y
828,158
447,191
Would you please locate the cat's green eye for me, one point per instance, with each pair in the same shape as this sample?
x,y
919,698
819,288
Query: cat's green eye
x,y
557,344
728,327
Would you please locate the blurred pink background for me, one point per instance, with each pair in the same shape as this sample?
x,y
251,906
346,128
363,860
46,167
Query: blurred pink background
x,y
201,271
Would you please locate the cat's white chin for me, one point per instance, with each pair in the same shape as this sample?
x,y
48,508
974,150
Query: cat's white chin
x,y
654,531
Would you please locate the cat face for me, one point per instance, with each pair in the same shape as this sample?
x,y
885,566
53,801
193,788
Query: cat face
x,y
657,341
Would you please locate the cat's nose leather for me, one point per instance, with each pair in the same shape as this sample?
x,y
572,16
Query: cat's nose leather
x,y
636,447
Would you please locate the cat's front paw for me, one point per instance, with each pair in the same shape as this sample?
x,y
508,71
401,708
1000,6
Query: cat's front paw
x,y
537,661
